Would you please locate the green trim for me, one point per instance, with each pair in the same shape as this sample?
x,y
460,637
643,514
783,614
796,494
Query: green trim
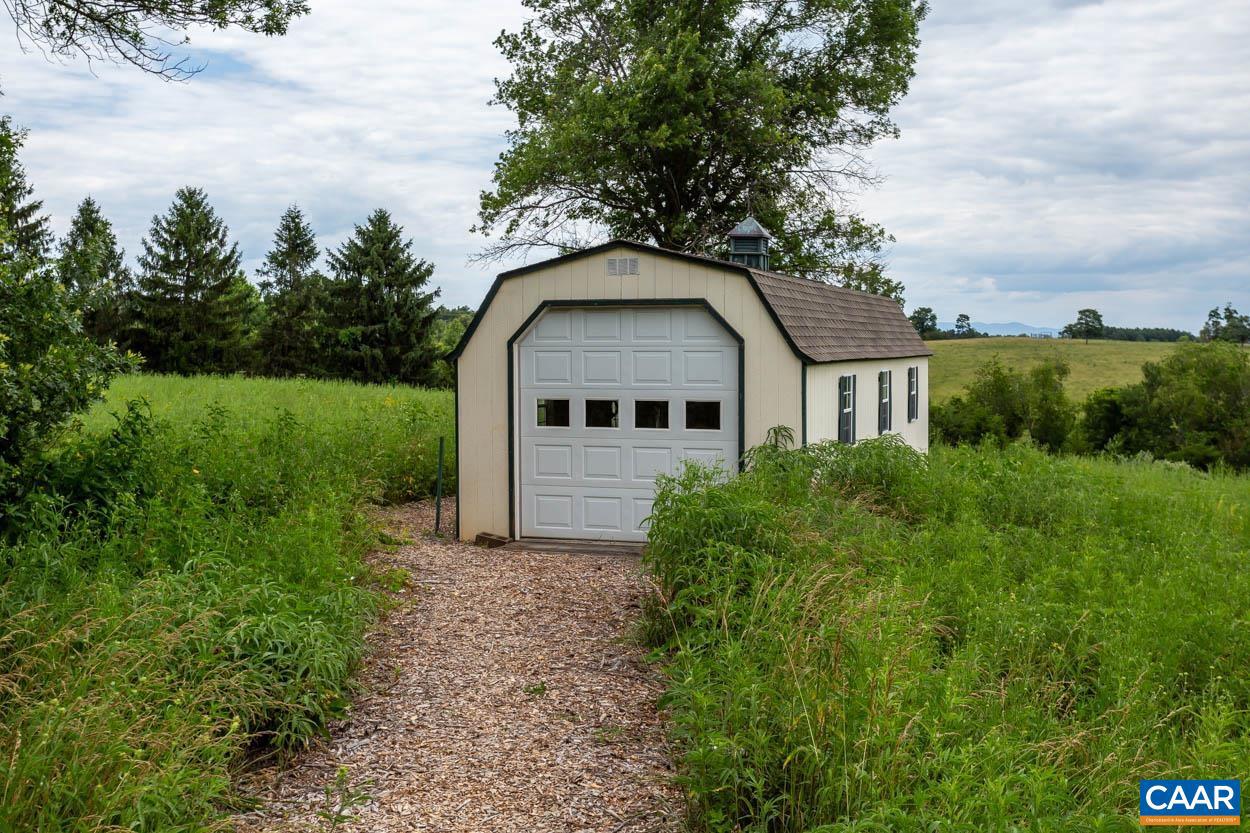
x,y
456,435
803,405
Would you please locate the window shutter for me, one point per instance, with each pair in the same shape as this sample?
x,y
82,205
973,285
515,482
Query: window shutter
x,y
846,409
913,394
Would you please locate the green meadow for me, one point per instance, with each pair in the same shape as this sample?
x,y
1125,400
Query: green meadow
x,y
863,639
1093,365
187,591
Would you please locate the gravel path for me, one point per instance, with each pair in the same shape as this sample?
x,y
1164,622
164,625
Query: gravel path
x,y
502,694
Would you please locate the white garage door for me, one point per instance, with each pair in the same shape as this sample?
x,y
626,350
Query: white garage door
x,y
609,398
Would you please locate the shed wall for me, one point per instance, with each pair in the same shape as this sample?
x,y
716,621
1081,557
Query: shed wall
x,y
822,394
771,372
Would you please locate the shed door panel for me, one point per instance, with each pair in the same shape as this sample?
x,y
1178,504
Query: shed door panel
x,y
610,398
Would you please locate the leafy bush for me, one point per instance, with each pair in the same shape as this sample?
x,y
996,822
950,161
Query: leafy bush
x,y
49,369
178,592
858,639
1192,407
1002,404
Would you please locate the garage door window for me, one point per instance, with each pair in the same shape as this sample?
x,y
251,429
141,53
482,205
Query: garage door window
x,y
553,413
703,416
602,413
650,414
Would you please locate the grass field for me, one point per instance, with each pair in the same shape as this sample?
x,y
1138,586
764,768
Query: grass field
x,y
186,589
1095,365
862,639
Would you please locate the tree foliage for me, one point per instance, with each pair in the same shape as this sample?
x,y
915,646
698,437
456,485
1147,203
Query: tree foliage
x,y
292,338
924,319
138,32
1004,404
449,327
1226,325
50,369
194,305
26,228
669,121
1193,407
1088,324
380,312
1145,334
92,269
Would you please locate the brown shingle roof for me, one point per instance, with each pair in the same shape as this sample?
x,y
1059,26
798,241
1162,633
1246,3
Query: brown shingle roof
x,y
821,322
831,323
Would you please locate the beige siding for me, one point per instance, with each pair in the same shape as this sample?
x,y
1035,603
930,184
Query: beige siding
x,y
771,371
822,393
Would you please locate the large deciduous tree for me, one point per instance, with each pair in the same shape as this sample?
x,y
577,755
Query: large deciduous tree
x,y
669,120
1088,324
924,319
144,33
380,314
195,306
1226,325
291,339
92,269
27,232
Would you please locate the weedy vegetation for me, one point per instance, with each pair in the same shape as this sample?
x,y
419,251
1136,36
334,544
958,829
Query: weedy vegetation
x,y
864,639
183,588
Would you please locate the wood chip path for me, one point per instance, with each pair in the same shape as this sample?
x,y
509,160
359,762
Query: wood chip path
x,y
503,693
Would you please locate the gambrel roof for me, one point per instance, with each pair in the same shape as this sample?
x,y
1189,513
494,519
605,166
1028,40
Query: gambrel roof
x,y
821,322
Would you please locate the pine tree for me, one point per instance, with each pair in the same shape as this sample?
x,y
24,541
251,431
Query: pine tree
x,y
92,269
28,234
381,315
291,339
195,306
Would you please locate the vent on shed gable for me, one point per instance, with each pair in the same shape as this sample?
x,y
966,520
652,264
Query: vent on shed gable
x,y
622,266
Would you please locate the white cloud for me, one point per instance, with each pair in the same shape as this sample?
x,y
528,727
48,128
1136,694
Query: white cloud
x,y
358,107
1053,155
1078,154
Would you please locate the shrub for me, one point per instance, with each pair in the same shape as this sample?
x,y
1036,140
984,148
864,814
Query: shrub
x,y
1192,407
1003,404
856,639
49,368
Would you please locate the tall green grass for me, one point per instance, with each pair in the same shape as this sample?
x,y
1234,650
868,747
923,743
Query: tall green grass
x,y
188,589
865,639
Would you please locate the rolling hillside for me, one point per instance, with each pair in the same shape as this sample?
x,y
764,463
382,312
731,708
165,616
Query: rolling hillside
x,y
1098,364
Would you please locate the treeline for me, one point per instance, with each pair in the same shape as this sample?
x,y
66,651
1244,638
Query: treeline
x,y
1145,334
190,308
1192,407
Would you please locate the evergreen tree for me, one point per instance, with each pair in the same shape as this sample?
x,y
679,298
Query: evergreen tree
x,y
381,315
93,272
28,233
291,338
194,303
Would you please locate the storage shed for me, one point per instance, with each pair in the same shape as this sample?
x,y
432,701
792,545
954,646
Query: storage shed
x,y
583,377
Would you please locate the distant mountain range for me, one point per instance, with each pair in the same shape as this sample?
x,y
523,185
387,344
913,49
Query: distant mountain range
x,y
1011,328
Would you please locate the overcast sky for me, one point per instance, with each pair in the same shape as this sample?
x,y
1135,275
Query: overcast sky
x,y
1054,155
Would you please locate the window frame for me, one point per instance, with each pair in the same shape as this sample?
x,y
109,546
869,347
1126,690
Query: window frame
x,y
913,393
885,402
846,415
